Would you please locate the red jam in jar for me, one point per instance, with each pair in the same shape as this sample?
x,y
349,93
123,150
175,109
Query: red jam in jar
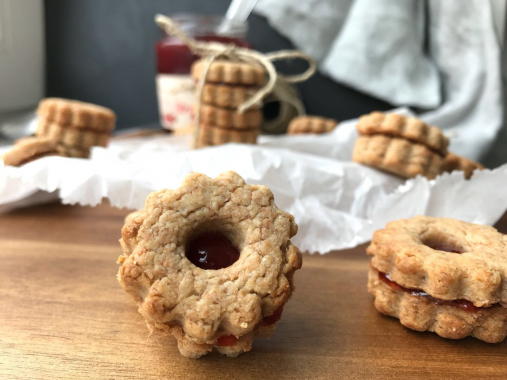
x,y
175,87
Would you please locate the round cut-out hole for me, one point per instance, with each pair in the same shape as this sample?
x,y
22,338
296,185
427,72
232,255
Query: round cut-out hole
x,y
445,247
211,250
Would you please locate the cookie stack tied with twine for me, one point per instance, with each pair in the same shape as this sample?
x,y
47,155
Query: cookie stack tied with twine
x,y
232,82
74,126
401,145
226,86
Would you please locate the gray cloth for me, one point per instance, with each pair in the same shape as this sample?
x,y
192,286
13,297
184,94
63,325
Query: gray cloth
x,y
443,58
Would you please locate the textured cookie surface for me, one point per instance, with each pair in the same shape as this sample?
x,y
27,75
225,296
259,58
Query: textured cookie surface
x,y
30,149
311,124
238,73
447,258
454,162
226,96
71,136
227,118
398,156
195,305
211,135
77,114
423,314
409,128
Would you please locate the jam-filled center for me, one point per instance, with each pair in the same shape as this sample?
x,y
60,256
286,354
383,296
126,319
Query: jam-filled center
x,y
212,250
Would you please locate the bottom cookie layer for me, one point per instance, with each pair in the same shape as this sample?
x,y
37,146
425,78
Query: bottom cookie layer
x,y
423,314
212,135
398,156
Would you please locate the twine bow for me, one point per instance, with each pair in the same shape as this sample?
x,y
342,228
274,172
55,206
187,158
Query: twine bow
x,y
213,50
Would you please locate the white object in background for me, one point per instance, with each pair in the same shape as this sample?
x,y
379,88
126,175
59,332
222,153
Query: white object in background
x,y
337,203
239,10
21,54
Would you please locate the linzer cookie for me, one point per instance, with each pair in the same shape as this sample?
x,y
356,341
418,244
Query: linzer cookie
x,y
311,124
200,268
230,72
74,126
30,149
401,145
226,96
409,128
441,275
454,162
227,118
77,114
67,135
211,136
398,156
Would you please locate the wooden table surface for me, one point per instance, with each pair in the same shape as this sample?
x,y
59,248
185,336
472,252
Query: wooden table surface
x,y
64,316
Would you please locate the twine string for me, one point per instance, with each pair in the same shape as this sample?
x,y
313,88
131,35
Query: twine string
x,y
214,50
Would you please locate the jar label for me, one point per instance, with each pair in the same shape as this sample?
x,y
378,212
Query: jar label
x,y
176,98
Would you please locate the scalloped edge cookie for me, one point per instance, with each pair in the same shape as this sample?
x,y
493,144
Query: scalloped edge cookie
x,y
403,249
227,118
211,136
410,128
77,114
230,72
311,124
226,96
423,314
454,162
203,308
69,136
398,156
30,149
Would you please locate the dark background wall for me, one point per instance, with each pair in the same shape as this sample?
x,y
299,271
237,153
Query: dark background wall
x,y
102,51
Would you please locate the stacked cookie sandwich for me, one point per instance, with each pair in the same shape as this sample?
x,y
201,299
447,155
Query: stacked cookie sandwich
x,y
441,275
226,86
406,146
75,126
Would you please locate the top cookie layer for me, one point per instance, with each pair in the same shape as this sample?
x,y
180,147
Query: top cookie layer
x,y
228,72
478,273
77,114
311,124
409,128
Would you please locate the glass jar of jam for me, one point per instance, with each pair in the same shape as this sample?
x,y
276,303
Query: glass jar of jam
x,y
175,87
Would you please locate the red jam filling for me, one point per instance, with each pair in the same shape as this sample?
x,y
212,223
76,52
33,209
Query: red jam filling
x,y
273,318
462,304
212,250
174,57
226,340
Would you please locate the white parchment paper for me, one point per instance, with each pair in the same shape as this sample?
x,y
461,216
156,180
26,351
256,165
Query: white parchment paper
x,y
336,203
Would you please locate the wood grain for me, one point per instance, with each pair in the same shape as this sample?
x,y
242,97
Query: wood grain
x,y
64,316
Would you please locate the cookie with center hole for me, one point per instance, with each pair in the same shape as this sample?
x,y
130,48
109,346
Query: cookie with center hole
x,y
441,275
210,263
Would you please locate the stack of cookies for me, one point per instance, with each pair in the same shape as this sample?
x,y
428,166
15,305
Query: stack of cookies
x,y
75,126
311,125
226,86
401,145
407,147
